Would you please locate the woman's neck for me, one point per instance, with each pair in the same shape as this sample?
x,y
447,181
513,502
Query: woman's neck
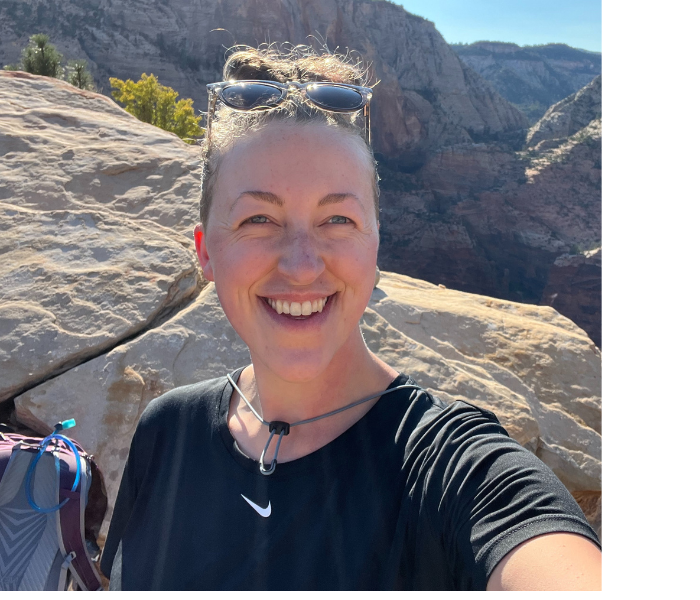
x,y
353,374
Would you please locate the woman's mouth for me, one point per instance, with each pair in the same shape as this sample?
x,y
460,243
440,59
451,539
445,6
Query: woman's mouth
x,y
298,310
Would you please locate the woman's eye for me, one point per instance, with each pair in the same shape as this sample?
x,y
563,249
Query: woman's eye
x,y
338,220
258,219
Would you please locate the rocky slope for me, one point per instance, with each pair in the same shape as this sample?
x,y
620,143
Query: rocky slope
x,y
102,309
568,117
461,205
531,77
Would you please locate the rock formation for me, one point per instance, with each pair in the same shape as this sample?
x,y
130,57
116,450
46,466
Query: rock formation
x,y
92,204
64,148
531,77
569,116
102,308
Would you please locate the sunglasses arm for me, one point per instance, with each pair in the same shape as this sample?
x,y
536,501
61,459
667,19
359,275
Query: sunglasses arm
x,y
368,133
210,112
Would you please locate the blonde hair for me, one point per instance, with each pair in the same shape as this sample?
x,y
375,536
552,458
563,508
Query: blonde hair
x,y
297,63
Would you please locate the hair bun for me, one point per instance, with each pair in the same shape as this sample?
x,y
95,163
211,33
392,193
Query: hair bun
x,y
298,63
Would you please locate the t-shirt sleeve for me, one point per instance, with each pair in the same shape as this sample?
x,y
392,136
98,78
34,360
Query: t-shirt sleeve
x,y
495,495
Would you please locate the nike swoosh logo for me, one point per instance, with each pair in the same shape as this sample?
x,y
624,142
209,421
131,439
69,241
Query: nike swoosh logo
x,y
263,512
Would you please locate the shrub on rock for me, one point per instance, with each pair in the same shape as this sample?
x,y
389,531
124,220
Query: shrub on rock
x,y
157,104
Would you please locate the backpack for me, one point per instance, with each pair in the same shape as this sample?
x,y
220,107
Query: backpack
x,y
44,488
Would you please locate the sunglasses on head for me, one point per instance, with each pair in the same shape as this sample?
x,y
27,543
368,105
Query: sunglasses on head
x,y
257,95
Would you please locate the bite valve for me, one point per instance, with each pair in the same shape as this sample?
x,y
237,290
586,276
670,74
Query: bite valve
x,y
64,425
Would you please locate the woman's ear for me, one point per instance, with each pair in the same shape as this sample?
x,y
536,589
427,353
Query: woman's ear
x,y
200,244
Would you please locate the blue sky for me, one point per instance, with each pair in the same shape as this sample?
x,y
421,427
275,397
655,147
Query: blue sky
x,y
524,22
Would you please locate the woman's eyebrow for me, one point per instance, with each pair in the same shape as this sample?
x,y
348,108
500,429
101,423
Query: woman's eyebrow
x,y
336,198
258,195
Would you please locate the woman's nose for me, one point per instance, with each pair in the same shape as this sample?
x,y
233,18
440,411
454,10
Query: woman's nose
x,y
300,260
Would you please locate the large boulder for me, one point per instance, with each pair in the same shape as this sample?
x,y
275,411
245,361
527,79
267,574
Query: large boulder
x,y
75,283
97,213
547,363
63,148
535,369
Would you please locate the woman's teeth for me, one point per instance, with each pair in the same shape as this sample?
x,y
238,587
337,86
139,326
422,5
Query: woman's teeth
x,y
297,309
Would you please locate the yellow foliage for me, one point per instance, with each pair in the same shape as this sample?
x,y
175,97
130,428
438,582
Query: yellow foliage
x,y
157,104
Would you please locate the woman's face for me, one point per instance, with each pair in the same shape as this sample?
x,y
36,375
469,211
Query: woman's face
x,y
291,243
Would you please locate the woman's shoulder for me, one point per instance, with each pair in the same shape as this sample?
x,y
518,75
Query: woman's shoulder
x,y
430,420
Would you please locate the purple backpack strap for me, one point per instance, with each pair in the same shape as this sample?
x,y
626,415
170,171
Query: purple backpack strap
x,y
72,518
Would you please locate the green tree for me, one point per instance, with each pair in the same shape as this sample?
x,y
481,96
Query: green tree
x,y
41,58
78,75
157,104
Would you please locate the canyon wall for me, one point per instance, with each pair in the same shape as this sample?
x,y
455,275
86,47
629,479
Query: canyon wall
x,y
532,77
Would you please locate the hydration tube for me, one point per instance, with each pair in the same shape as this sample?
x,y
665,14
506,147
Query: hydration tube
x,y
28,479
281,428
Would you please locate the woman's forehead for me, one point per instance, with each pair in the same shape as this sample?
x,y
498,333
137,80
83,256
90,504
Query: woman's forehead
x,y
287,159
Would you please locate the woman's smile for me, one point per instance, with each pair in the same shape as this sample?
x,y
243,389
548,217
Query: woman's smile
x,y
298,316
300,308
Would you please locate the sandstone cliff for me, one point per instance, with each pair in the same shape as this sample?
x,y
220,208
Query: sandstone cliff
x,y
531,77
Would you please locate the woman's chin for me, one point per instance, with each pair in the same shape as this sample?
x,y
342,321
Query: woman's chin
x,y
295,366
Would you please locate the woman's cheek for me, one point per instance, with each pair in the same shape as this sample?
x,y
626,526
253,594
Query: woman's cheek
x,y
246,253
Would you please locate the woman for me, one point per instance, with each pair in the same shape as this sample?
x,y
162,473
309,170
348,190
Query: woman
x,y
319,466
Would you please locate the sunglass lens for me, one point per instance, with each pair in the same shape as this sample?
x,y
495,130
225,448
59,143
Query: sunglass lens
x,y
335,98
249,96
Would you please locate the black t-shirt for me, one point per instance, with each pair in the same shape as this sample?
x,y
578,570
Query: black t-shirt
x,y
418,494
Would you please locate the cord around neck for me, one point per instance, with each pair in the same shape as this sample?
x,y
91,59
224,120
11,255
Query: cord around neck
x,y
282,428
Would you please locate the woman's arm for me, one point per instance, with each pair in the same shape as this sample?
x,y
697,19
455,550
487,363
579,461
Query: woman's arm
x,y
554,561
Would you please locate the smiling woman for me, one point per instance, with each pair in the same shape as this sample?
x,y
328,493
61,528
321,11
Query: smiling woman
x,y
373,483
